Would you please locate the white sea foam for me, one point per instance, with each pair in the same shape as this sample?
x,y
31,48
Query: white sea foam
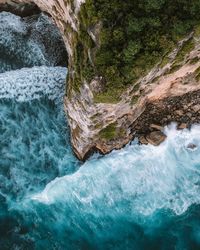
x,y
32,83
32,41
143,178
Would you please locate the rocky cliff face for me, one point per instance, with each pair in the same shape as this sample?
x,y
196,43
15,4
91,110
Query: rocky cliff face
x,y
165,95
168,92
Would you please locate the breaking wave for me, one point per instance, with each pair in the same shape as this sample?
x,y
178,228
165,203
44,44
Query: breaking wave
x,y
145,178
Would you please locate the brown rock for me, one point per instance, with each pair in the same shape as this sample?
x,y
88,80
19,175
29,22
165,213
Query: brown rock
x,y
157,127
182,126
143,140
196,108
179,112
185,107
156,138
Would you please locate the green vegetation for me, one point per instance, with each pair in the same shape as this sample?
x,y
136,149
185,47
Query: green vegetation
x,y
174,68
197,31
109,132
111,95
186,48
133,38
164,61
194,60
134,100
197,74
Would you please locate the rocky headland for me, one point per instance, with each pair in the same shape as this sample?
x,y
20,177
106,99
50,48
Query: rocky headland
x,y
102,119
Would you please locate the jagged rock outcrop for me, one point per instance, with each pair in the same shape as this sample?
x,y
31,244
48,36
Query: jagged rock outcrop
x,y
167,93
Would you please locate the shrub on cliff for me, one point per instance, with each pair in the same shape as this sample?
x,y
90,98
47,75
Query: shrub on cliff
x,y
134,35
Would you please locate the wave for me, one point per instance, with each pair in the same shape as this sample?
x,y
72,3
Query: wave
x,y
32,83
137,180
28,42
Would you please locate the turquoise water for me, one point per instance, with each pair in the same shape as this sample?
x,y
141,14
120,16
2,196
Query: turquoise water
x,y
140,197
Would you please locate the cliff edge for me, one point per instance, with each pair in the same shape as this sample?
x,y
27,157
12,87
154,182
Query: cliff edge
x,y
133,68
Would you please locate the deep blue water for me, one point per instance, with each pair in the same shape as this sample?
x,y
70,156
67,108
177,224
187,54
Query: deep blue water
x,y
140,197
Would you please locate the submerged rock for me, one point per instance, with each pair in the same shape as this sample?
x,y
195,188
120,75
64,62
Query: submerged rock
x,y
191,146
182,126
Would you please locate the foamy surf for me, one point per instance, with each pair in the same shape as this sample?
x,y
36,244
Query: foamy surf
x,y
32,83
148,178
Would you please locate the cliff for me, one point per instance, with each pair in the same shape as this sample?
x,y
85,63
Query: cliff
x,y
127,76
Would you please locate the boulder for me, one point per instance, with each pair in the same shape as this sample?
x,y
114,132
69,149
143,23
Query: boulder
x,y
196,107
182,126
143,140
157,127
155,138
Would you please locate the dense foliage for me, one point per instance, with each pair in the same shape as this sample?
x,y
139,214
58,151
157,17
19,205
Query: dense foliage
x,y
134,36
